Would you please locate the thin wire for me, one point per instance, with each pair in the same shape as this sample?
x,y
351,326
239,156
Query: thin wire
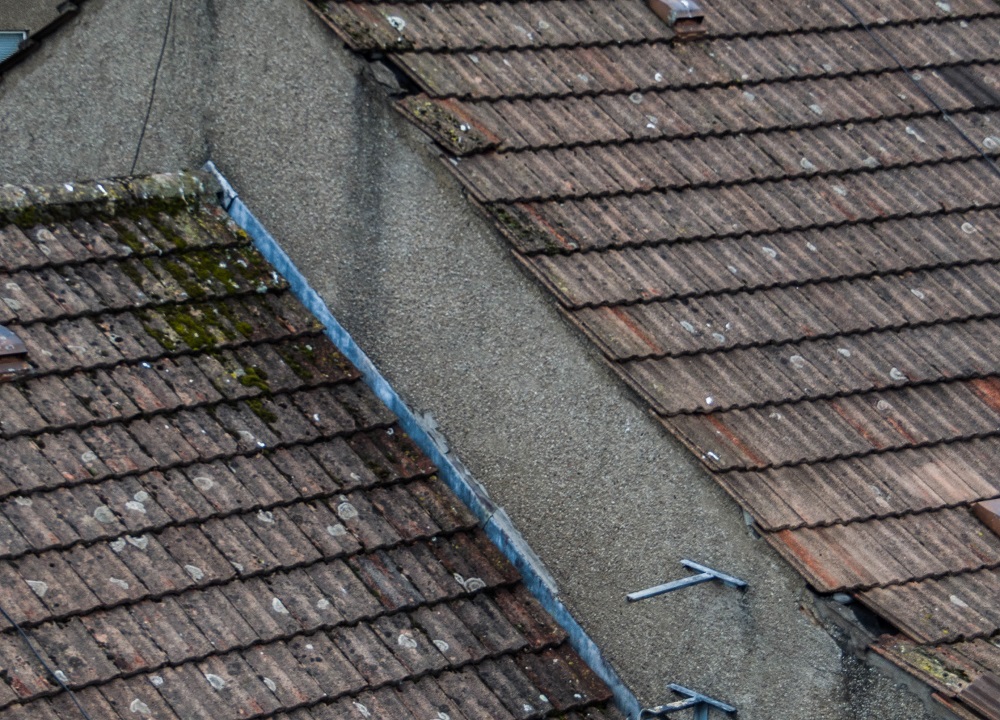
x,y
152,92
923,91
53,673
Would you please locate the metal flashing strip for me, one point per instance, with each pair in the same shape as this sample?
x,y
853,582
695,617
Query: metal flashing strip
x,y
496,523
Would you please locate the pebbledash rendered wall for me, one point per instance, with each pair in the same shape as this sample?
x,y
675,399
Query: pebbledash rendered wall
x,y
427,288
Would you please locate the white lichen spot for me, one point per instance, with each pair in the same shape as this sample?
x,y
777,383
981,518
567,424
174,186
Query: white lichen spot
x,y
117,545
38,587
816,109
542,25
203,482
871,162
719,337
883,406
278,606
157,680
807,165
196,573
917,293
141,496
712,456
897,375
88,457
968,228
238,566
135,506
323,604
528,708
265,516
406,640
658,77
23,501
398,23
916,136
543,698
442,645
355,476
346,511
469,584
749,96
141,542
139,707
635,97
769,251
103,514
797,361
443,715
119,582
710,400
337,530
991,143
945,7
845,352
956,600
215,681
271,685
688,326
362,709
840,190
247,435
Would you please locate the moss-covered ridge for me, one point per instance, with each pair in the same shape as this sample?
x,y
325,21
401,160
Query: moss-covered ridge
x,y
33,204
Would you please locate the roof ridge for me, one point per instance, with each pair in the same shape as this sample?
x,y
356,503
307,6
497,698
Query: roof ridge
x,y
22,202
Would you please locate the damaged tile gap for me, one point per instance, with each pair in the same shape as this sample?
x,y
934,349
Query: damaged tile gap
x,y
860,454
207,459
253,393
118,258
786,284
231,345
725,133
372,617
965,155
671,42
156,530
266,573
149,305
708,85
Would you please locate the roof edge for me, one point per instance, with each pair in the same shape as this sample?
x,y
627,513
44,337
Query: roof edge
x,y
21,202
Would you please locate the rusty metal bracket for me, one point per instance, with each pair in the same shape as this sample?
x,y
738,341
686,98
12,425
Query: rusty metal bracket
x,y
705,574
701,704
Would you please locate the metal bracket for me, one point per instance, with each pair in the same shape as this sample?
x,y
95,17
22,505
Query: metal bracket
x,y
701,704
705,574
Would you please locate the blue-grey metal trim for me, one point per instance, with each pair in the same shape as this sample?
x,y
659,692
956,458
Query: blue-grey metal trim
x,y
10,43
496,523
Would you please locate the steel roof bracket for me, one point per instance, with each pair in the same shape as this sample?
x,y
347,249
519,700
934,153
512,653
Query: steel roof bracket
x,y
701,704
705,574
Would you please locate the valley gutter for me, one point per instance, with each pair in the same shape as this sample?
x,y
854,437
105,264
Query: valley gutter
x,y
494,519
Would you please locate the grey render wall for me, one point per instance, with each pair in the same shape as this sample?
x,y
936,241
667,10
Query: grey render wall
x,y
30,15
358,198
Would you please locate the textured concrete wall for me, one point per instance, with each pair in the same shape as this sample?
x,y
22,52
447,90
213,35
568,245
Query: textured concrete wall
x,y
30,15
358,198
